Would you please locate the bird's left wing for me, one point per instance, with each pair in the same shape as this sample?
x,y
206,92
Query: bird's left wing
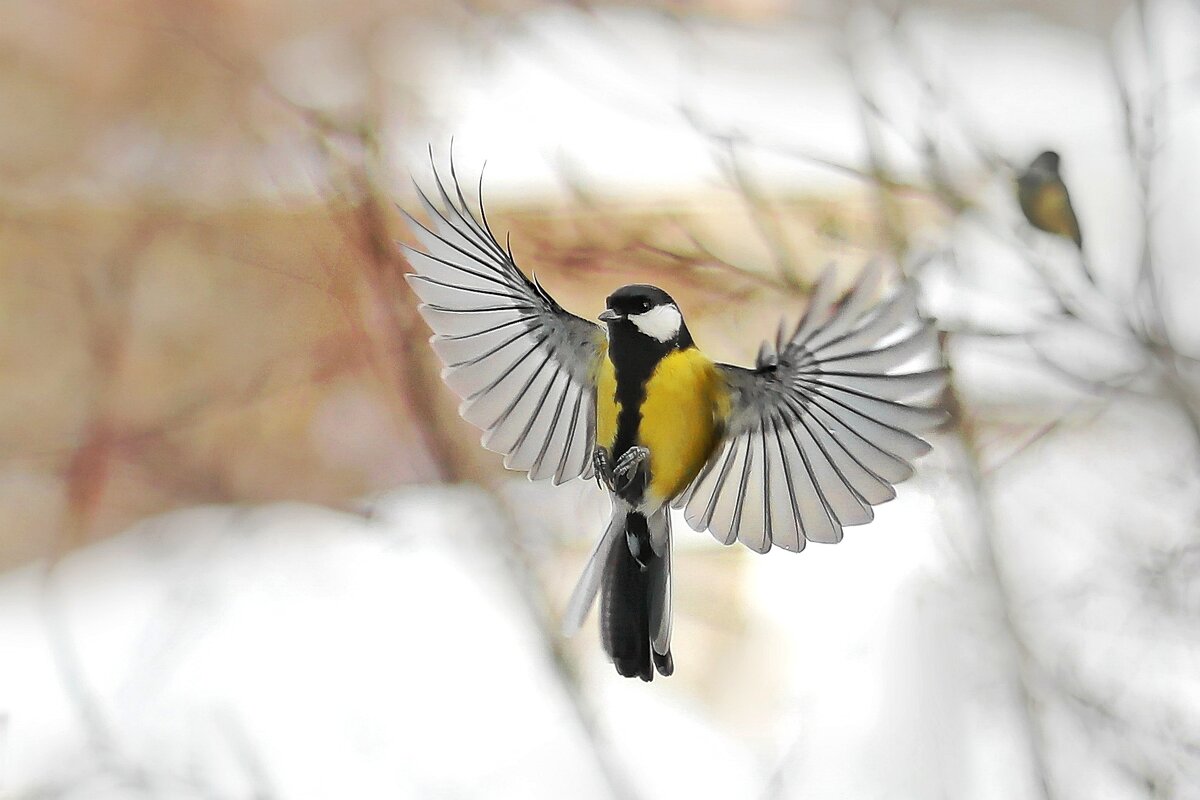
x,y
524,367
823,426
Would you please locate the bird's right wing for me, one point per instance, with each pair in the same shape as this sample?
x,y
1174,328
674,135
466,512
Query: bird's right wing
x,y
524,367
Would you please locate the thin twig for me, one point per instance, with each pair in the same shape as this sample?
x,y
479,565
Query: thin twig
x,y
994,570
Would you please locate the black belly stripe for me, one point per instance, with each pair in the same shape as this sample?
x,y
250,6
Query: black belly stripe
x,y
630,394
635,357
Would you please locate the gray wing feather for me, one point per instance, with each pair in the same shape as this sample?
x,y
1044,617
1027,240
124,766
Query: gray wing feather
x,y
825,425
523,366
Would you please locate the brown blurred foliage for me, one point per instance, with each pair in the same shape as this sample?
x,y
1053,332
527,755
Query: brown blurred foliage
x,y
177,327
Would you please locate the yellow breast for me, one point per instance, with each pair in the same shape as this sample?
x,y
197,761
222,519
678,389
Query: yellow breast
x,y
685,401
1052,211
607,407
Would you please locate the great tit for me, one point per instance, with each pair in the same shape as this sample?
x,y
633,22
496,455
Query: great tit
x,y
789,451
1046,204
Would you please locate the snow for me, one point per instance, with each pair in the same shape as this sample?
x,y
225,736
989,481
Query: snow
x,y
386,655
298,651
350,654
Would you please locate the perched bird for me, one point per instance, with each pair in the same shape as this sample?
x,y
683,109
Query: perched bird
x,y
1045,202
1044,199
789,451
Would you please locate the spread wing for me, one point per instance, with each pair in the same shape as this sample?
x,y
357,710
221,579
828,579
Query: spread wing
x,y
523,366
823,427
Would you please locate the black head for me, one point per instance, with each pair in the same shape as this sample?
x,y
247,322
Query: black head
x,y
648,311
1046,162
637,298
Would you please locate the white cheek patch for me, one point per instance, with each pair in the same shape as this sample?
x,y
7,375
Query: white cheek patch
x,y
661,322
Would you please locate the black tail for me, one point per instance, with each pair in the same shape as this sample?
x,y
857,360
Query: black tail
x,y
625,605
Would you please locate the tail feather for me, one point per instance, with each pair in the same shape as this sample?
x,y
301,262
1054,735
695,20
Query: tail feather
x,y
593,574
659,570
630,568
635,622
625,614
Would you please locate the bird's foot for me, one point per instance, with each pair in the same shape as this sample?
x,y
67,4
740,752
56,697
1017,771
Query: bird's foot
x,y
626,468
602,466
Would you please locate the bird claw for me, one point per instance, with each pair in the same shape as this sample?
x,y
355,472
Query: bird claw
x,y
620,476
602,466
626,468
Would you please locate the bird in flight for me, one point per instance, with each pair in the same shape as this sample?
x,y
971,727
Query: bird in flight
x,y
790,450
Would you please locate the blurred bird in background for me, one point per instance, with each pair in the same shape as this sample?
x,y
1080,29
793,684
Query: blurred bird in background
x,y
1046,203
789,451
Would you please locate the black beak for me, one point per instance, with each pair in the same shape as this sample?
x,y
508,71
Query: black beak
x,y
608,315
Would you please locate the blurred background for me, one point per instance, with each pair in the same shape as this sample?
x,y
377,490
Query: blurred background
x,y
248,549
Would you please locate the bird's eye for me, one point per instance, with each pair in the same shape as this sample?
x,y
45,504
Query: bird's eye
x,y
644,305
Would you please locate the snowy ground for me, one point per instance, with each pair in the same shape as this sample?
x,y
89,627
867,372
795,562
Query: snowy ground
x,y
309,653
293,651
